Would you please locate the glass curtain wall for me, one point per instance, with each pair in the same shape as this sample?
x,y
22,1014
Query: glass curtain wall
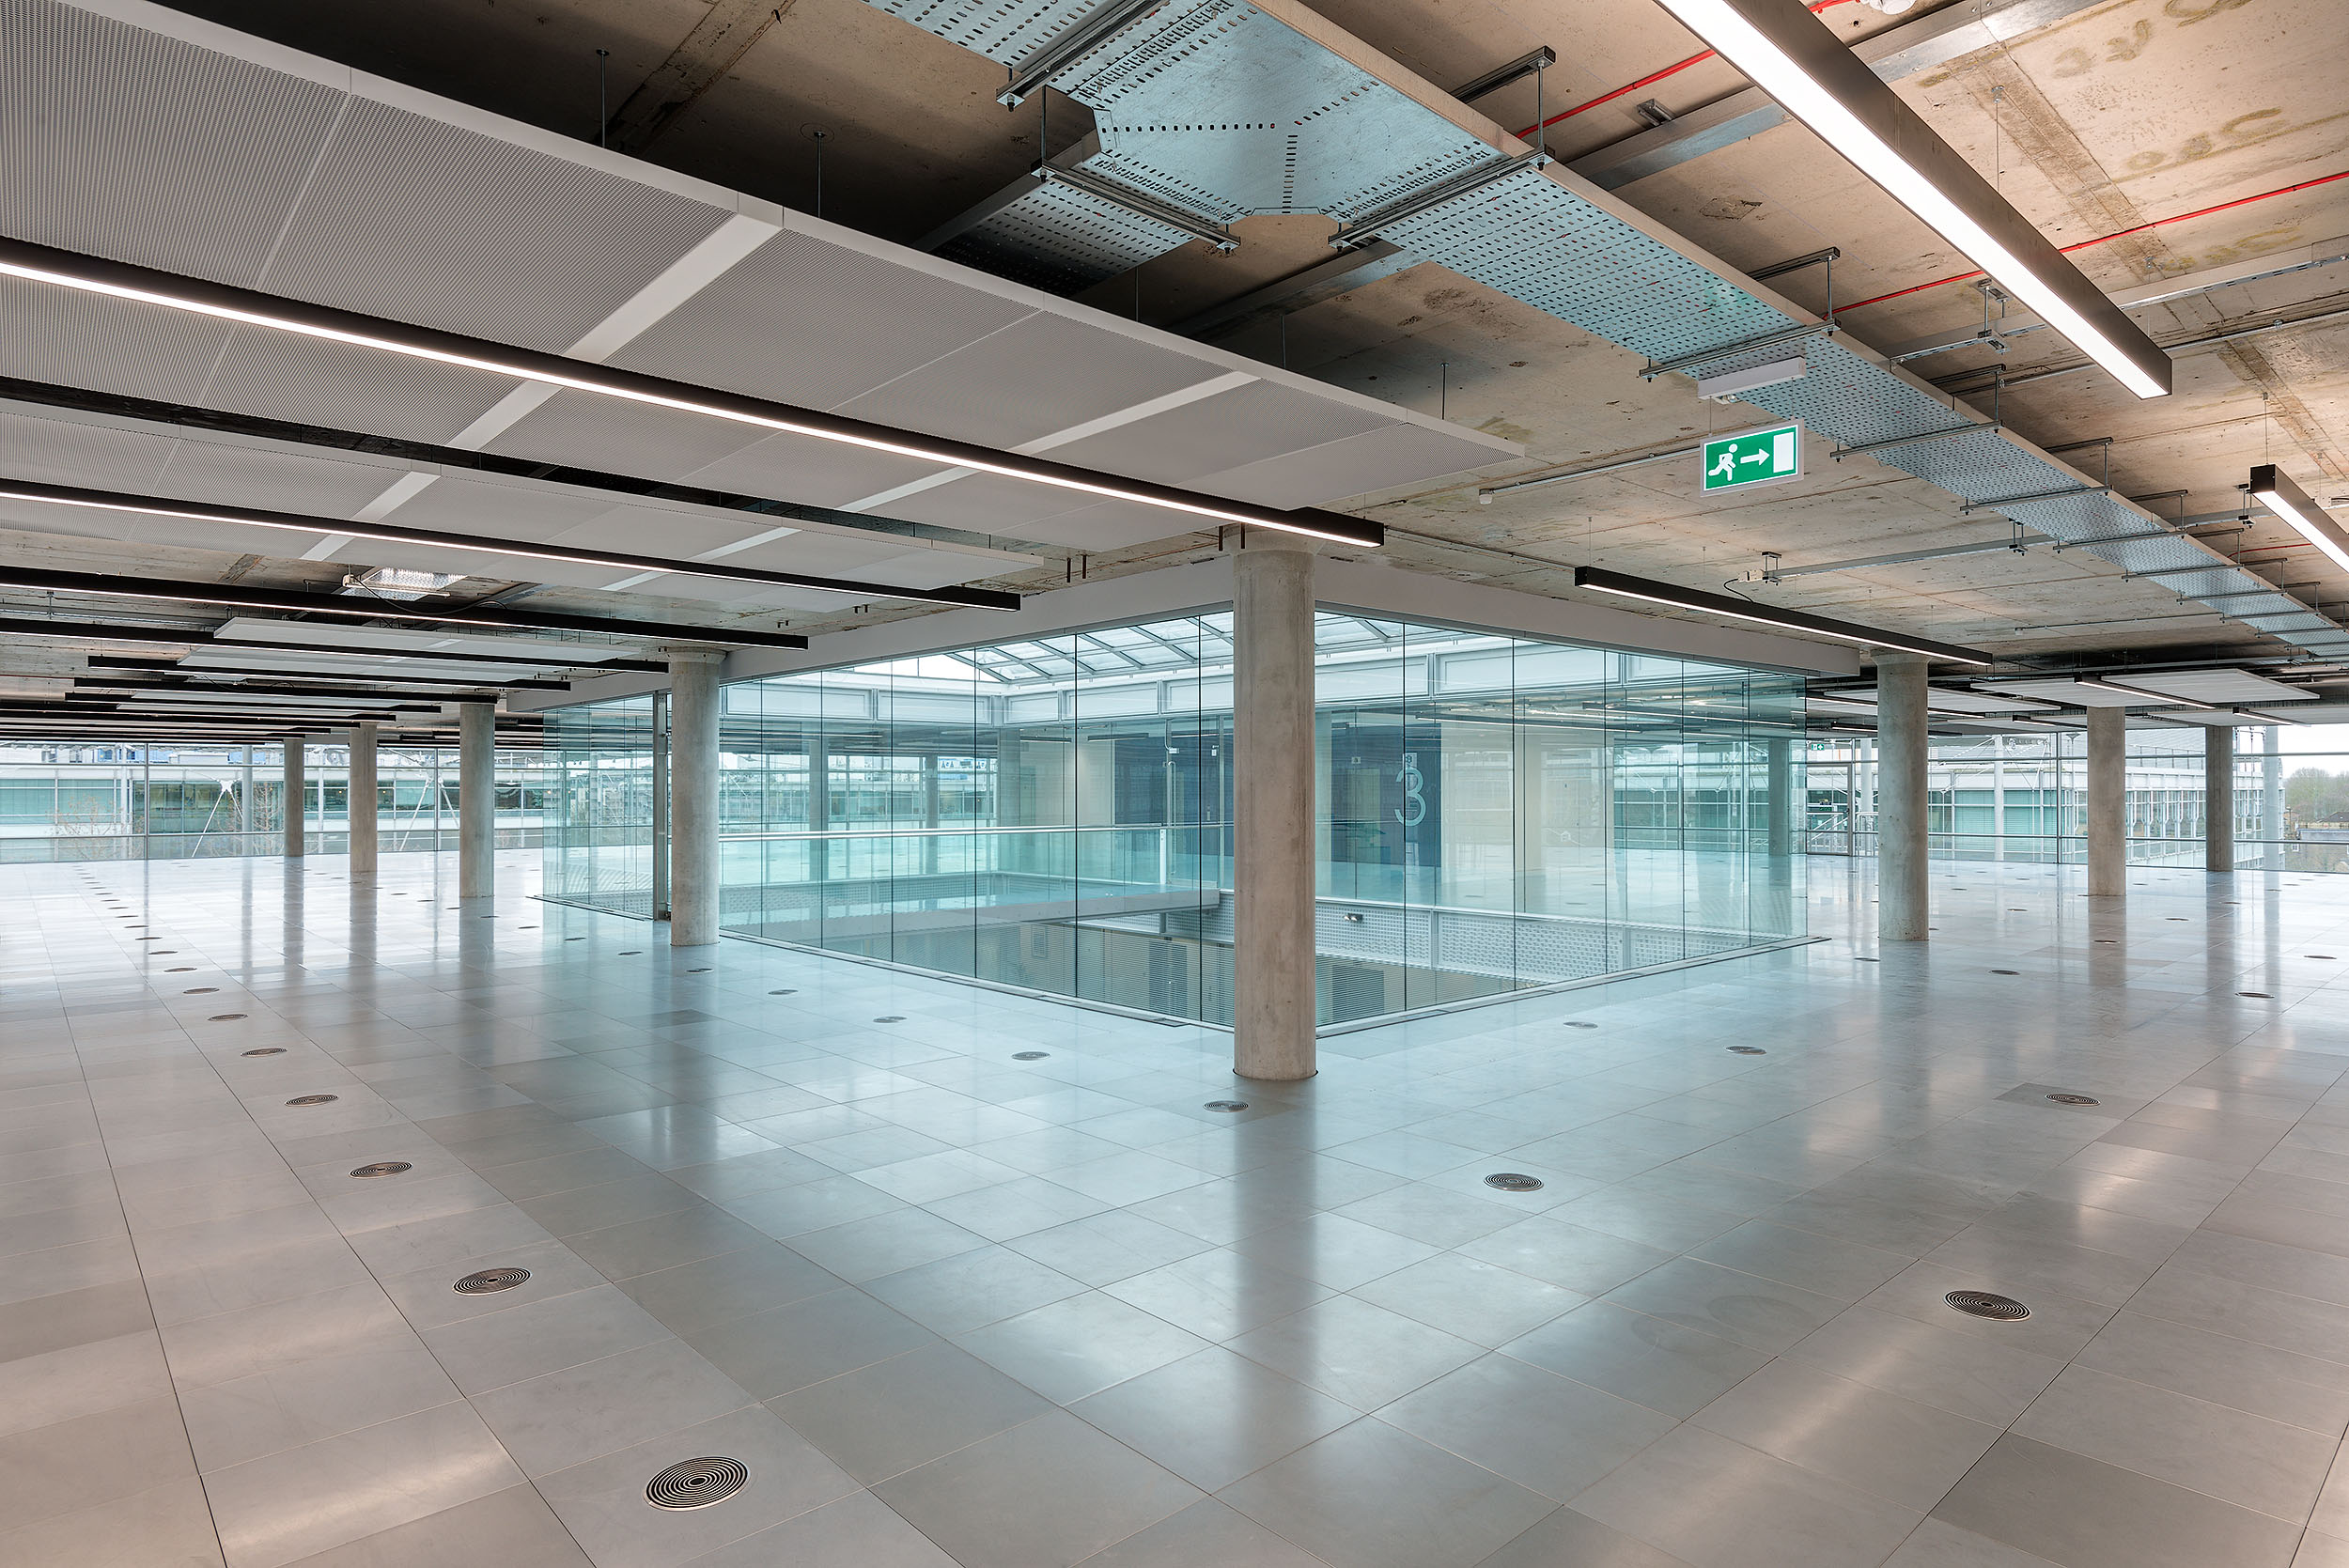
x,y
64,800
1495,813
2023,797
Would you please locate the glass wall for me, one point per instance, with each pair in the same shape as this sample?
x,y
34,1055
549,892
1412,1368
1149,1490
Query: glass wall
x,y
66,800
605,825
2024,798
1495,813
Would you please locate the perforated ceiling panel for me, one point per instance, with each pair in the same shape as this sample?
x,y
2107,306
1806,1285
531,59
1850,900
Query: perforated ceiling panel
x,y
418,219
145,133
806,321
150,179
961,395
1223,109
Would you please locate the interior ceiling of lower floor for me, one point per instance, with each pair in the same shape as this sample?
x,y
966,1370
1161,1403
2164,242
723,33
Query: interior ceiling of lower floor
x,y
2181,148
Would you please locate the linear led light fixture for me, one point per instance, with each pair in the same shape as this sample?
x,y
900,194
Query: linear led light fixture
x,y
2158,699
118,280
2265,716
1795,58
1601,581
2274,489
34,581
393,532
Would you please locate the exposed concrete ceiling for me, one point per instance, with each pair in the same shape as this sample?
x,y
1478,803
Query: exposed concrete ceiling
x,y
2095,120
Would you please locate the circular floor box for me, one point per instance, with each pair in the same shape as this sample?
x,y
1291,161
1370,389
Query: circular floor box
x,y
696,1483
1989,1304
1513,1181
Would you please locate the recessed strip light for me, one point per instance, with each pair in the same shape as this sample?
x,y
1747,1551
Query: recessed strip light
x,y
148,505
2274,489
1795,58
2157,699
37,581
1600,580
118,280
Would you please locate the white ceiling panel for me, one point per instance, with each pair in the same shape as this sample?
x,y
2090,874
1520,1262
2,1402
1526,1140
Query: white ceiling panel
x,y
228,158
803,321
327,635
329,664
1068,372
1243,426
416,219
2220,686
93,105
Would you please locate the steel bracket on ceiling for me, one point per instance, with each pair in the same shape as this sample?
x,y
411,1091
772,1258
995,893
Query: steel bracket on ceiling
x,y
1862,447
1466,183
1140,205
1059,52
1796,333
2005,501
1516,70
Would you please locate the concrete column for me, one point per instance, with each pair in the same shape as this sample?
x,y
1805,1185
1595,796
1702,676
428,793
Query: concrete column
x,y
2218,798
1780,802
692,798
1901,906
2107,801
297,801
362,795
2272,801
1273,807
477,801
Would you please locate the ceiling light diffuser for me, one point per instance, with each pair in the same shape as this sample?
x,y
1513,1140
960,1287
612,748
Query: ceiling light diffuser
x,y
1795,58
2274,489
1600,580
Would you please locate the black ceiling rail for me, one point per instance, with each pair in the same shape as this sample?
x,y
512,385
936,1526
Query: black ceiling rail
x,y
81,497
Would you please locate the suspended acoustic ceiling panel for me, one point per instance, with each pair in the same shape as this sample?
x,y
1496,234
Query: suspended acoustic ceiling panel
x,y
1225,108
131,131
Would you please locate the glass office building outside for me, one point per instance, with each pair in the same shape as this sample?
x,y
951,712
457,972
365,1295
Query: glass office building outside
x,y
1494,813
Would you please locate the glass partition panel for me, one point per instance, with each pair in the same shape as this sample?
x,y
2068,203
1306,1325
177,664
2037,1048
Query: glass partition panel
x,y
1054,813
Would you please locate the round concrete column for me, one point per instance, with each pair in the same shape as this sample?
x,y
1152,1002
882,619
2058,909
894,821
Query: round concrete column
x,y
297,801
477,801
1273,807
2218,798
693,910
2107,801
362,798
1902,906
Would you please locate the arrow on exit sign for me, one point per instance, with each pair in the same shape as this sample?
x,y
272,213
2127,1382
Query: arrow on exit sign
x,y
1753,458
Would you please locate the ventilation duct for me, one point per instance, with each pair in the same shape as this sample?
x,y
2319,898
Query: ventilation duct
x,y
1216,110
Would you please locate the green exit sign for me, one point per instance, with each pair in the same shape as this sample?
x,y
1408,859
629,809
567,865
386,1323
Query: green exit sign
x,y
1753,458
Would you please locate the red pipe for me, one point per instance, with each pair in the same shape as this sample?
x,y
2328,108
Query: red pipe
x,y
1816,5
2102,239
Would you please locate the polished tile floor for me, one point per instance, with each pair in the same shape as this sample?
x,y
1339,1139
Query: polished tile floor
x,y
952,1307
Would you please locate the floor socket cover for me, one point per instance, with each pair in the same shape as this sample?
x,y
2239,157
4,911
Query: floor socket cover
x,y
264,1051
383,1167
1513,1181
1030,1055
1226,1104
490,1280
891,1017
1749,1050
696,1483
2076,1100
313,1099
1983,1303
